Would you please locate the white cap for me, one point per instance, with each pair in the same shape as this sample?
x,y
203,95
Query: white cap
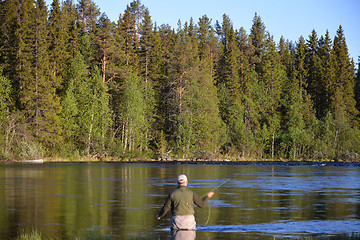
x,y
181,179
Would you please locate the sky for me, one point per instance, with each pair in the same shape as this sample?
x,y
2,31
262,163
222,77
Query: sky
x,y
288,18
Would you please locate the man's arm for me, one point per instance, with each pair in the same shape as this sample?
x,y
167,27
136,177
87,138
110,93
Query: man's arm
x,y
201,203
165,208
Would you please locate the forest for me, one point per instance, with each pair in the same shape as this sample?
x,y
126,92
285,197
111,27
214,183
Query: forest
x,y
75,84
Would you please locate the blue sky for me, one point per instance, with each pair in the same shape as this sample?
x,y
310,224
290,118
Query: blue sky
x,y
287,18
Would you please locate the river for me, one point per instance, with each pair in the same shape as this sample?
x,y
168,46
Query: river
x,y
260,200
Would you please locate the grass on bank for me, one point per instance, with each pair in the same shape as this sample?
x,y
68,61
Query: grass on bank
x,y
35,235
29,235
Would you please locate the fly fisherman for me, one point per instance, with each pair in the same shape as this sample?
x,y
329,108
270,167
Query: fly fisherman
x,y
181,203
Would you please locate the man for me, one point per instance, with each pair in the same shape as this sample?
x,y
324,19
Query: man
x,y
181,203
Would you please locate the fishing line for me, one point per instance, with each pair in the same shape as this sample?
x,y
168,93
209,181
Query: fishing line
x,y
209,205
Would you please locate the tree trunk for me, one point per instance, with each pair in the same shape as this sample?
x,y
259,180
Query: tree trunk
x,y
273,146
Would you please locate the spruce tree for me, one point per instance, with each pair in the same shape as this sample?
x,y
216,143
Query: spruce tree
x,y
71,28
146,53
342,79
157,75
273,76
227,69
246,51
146,33
285,55
165,38
9,44
37,87
324,94
57,43
184,67
357,86
257,36
342,98
207,47
129,25
313,63
229,87
48,102
208,125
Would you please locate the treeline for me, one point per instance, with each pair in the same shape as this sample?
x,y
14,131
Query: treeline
x,y
74,83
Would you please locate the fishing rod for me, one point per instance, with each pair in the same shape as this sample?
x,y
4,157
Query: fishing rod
x,y
220,185
213,190
217,187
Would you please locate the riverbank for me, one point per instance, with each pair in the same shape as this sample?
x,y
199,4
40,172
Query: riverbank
x,y
241,161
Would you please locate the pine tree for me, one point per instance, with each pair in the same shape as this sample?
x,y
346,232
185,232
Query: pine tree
x,y
88,17
88,12
108,52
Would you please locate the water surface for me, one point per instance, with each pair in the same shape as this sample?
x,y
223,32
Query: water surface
x,y
260,201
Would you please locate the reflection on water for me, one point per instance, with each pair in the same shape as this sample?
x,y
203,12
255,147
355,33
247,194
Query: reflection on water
x,y
122,199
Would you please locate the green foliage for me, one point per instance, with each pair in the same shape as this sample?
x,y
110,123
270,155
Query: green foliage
x,y
75,83
133,117
86,113
5,95
31,150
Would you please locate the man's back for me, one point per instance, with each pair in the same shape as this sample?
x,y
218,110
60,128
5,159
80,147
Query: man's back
x,y
183,201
